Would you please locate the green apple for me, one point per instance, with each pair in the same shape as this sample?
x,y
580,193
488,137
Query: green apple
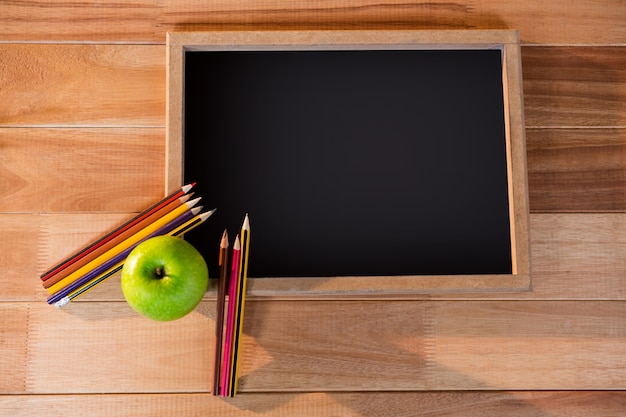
x,y
164,278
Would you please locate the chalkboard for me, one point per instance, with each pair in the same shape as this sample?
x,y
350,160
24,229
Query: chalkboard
x,y
364,162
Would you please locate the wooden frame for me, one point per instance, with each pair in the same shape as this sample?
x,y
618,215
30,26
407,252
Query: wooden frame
x,y
374,287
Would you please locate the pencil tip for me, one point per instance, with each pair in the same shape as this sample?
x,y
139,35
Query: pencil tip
x,y
246,223
186,188
193,202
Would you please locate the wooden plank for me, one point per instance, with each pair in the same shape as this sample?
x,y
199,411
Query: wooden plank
x,y
535,345
81,169
78,231
574,86
560,22
573,256
59,20
177,356
107,347
379,404
61,84
104,347
440,345
125,85
556,22
579,256
576,170
13,345
587,21
346,15
18,256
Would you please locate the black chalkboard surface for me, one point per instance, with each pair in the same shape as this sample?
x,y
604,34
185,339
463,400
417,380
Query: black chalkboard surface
x,y
351,162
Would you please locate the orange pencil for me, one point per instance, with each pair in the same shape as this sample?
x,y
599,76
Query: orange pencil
x,y
53,279
65,263
122,246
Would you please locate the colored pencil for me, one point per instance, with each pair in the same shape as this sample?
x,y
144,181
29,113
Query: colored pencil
x,y
179,231
120,257
230,316
93,254
123,245
63,264
219,320
241,299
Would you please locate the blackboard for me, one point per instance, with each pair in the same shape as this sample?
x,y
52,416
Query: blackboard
x,y
364,162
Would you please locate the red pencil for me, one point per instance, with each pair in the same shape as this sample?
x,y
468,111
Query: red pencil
x,y
105,246
88,249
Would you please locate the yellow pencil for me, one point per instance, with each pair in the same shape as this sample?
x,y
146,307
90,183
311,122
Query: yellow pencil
x,y
122,246
241,298
179,231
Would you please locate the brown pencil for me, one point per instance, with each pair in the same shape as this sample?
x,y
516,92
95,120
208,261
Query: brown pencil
x,y
94,253
219,321
73,258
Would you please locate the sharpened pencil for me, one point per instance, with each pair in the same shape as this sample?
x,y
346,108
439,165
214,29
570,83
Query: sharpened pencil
x,y
219,320
123,245
179,231
230,320
241,299
120,257
139,217
83,260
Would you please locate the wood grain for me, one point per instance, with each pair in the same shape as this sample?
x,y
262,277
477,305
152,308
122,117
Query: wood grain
x,y
537,22
537,345
13,345
574,86
574,256
80,169
96,64
59,20
591,21
369,404
578,256
555,22
107,347
18,256
576,170
102,85
125,85
328,346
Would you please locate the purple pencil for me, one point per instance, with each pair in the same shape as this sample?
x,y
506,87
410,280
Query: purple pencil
x,y
65,291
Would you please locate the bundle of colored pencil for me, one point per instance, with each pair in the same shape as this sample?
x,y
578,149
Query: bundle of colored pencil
x,y
173,215
229,322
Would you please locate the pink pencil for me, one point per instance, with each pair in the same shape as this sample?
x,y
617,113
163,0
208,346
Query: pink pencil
x,y
230,319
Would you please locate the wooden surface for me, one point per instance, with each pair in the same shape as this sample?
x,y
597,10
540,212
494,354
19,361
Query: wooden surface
x,y
82,147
